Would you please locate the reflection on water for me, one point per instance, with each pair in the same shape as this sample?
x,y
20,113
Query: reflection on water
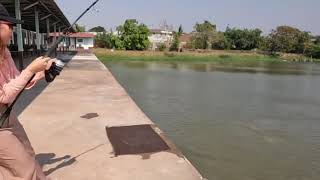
x,y
234,123
264,67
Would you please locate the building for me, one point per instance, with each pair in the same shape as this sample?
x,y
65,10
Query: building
x,y
40,18
159,36
79,40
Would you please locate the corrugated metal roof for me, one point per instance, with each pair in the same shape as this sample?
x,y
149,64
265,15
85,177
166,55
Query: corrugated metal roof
x,y
45,8
78,35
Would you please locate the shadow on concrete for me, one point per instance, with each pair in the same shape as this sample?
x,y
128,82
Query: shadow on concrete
x,y
29,95
50,158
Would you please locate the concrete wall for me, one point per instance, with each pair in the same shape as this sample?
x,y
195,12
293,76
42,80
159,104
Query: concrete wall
x,y
85,44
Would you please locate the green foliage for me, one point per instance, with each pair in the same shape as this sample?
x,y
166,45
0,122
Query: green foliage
x,y
220,42
204,35
313,50
117,43
132,36
180,31
98,29
104,40
162,47
243,39
79,28
287,39
176,42
317,40
200,41
206,26
224,56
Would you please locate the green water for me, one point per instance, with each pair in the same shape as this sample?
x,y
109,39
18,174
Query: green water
x,y
256,123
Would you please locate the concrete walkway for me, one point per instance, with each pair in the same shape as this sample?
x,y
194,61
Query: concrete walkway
x,y
71,147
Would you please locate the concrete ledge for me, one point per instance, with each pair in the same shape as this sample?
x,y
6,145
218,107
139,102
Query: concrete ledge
x,y
73,148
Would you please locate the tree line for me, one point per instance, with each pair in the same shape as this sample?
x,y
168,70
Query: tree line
x,y
133,35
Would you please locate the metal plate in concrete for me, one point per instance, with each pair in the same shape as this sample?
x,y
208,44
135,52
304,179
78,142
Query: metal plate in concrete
x,y
139,139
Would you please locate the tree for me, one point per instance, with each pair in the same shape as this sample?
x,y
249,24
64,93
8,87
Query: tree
x,y
117,43
243,39
80,28
176,39
176,42
97,29
220,42
104,40
162,46
206,26
313,50
317,40
287,39
204,35
180,30
132,36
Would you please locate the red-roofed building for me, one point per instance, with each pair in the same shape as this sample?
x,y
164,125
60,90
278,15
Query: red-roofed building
x,y
79,40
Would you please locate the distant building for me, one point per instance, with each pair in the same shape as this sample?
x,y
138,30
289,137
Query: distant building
x,y
79,40
159,36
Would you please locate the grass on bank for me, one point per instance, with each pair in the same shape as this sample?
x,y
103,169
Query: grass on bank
x,y
220,57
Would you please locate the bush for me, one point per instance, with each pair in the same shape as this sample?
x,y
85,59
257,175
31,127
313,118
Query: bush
x,y
162,47
243,39
220,42
169,54
288,40
103,40
313,51
224,56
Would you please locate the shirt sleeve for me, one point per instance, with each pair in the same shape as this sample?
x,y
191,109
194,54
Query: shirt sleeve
x,y
37,77
10,90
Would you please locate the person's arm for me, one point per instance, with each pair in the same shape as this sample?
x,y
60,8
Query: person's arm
x,y
10,90
37,77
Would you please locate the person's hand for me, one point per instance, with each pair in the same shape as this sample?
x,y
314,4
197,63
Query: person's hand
x,y
40,64
50,63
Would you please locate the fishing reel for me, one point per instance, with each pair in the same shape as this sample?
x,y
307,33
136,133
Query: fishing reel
x,y
54,70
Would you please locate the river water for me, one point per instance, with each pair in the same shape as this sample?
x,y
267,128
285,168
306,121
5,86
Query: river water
x,y
256,123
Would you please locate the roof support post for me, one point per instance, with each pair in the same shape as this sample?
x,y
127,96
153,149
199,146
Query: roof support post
x,y
19,34
55,37
38,42
55,32
48,30
59,46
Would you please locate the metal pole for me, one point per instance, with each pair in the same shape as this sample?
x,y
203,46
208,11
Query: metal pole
x,y
55,32
19,34
55,37
48,31
38,42
59,30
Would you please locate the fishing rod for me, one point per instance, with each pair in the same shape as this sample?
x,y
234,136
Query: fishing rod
x,y
55,68
65,31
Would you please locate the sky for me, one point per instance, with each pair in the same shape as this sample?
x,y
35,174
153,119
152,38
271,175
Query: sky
x,y
263,14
